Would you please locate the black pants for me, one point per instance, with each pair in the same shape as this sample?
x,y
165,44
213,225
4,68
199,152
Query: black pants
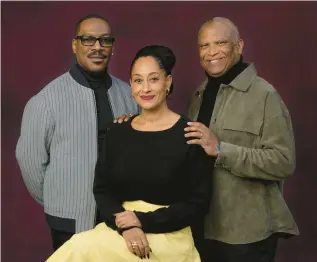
x,y
59,238
262,251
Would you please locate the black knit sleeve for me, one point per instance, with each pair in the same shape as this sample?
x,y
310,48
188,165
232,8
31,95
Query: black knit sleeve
x,y
108,203
194,205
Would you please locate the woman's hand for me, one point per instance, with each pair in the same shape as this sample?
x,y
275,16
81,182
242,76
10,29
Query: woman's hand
x,y
137,242
127,219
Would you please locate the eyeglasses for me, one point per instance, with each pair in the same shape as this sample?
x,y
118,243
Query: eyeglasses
x,y
104,41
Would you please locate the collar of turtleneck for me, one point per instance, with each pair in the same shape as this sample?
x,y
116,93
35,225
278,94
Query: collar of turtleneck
x,y
228,77
91,80
93,76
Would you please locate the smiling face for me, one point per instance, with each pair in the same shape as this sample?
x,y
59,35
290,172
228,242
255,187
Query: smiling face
x,y
93,58
219,49
149,83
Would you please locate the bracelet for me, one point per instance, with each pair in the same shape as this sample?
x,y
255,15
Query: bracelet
x,y
218,148
120,230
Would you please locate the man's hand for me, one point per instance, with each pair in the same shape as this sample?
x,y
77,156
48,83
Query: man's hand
x,y
137,242
123,118
127,219
203,136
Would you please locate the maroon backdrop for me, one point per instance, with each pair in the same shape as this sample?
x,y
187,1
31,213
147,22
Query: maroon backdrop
x,y
280,37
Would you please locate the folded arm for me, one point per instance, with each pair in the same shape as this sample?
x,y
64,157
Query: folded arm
x,y
183,213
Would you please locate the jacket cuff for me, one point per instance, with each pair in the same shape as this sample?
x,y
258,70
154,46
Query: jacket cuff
x,y
227,156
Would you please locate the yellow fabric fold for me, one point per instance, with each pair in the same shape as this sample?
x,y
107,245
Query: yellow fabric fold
x,y
103,244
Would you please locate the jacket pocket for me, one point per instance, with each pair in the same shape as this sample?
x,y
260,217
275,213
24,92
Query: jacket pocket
x,y
242,131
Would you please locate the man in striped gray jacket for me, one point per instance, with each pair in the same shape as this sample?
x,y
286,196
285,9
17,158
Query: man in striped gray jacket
x,y
63,126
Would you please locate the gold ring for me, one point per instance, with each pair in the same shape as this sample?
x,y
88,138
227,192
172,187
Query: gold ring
x,y
134,244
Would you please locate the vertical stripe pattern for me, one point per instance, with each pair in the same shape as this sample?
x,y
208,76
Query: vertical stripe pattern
x,y
57,148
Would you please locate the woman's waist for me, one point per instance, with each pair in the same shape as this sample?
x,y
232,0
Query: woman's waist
x,y
142,206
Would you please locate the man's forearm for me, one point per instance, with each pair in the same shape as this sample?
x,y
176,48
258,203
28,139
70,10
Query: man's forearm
x,y
266,164
32,174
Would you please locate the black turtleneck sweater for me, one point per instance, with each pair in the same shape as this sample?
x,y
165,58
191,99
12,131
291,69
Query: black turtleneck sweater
x,y
212,88
100,82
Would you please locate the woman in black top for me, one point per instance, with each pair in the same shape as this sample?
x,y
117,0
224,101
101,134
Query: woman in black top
x,y
150,185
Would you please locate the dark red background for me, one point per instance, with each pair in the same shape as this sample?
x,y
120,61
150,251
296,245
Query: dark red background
x,y
280,37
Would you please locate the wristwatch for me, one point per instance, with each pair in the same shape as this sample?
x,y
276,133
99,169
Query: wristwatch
x,y
218,149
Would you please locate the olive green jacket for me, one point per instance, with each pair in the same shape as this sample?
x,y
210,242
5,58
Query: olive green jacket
x,y
257,154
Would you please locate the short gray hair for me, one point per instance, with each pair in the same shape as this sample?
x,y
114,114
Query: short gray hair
x,y
225,21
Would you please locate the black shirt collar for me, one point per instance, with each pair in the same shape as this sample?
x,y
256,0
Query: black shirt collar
x,y
89,80
232,73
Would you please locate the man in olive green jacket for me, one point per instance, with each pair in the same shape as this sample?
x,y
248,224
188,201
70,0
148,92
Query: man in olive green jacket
x,y
249,132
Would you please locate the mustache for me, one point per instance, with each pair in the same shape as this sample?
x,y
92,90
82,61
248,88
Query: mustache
x,y
97,53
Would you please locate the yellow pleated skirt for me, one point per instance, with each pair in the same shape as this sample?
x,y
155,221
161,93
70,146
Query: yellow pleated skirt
x,y
103,244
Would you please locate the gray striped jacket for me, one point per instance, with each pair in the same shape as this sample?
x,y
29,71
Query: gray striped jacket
x,y
57,149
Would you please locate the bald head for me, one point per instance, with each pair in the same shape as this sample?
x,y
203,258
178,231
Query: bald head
x,y
231,27
219,46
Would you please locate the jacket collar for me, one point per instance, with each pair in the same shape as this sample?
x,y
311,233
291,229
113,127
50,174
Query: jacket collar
x,y
242,82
